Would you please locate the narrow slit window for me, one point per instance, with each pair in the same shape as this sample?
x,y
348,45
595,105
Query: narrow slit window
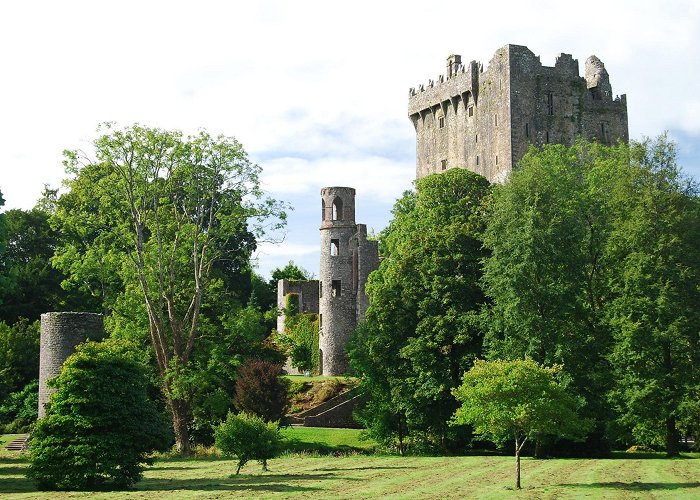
x,y
335,288
496,159
476,138
495,120
550,103
443,164
477,160
546,137
527,130
335,247
441,122
323,209
470,111
320,321
320,289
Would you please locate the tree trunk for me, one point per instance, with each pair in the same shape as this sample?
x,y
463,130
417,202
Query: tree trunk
x,y
181,414
517,466
672,445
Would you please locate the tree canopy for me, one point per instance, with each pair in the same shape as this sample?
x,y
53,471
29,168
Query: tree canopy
x,y
170,218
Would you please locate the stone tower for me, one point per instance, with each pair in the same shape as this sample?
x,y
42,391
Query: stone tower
x,y
485,120
347,258
61,332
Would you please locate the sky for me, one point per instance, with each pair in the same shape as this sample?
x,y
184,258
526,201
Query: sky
x,y
316,91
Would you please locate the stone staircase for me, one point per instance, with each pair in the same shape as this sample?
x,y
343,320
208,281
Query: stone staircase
x,y
19,443
336,412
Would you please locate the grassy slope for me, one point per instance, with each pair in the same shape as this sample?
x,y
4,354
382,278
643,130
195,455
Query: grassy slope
x,y
375,476
325,440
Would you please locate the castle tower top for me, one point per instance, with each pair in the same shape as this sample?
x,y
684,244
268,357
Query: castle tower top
x,y
337,207
454,62
598,79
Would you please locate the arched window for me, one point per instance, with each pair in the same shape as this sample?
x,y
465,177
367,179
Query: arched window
x,y
323,209
337,209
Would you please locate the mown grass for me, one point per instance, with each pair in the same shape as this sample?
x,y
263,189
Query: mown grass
x,y
323,440
373,476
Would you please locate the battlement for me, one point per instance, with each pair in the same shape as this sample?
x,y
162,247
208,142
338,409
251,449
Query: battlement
x,y
484,119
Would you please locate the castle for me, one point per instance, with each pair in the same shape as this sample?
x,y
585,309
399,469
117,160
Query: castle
x,y
485,120
338,296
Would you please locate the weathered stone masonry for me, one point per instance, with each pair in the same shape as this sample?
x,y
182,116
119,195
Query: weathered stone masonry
x,y
61,332
347,259
485,120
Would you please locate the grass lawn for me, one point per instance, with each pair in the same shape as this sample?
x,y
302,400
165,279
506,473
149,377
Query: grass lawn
x,y
373,476
324,440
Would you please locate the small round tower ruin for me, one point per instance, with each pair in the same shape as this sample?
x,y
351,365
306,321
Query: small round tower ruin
x,y
337,285
61,332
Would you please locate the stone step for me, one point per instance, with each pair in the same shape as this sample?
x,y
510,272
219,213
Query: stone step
x,y
18,444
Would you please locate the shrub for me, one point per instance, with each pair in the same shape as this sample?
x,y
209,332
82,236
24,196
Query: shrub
x,y
100,426
329,389
19,410
248,437
261,391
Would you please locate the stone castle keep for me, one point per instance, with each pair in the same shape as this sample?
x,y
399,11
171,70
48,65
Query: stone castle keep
x,y
485,120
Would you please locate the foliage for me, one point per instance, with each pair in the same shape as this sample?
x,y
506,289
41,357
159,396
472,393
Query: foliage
x,y
261,391
19,410
32,286
248,437
100,425
290,272
547,230
19,356
172,218
517,400
420,333
655,288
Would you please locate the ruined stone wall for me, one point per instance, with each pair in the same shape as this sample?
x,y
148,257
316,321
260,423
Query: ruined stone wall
x,y
514,103
308,297
61,332
367,261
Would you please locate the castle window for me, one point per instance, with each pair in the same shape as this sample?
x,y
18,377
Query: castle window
x,y
470,111
337,209
477,160
320,321
443,164
603,132
550,104
476,138
496,159
495,120
320,290
323,209
335,288
335,247
546,137
527,130
441,122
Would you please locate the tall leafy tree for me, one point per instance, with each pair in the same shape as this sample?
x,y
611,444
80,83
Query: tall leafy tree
x,y
655,291
420,333
163,211
547,231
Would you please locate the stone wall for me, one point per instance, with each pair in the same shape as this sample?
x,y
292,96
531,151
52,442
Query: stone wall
x,y
61,332
485,120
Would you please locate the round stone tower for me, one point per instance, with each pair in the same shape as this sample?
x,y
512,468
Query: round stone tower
x,y
337,283
61,332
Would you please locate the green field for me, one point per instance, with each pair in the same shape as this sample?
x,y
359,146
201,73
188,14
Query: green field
x,y
353,475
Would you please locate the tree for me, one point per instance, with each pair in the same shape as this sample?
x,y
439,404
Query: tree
x,y
420,332
546,277
164,212
654,292
261,391
248,437
517,400
19,356
33,286
100,426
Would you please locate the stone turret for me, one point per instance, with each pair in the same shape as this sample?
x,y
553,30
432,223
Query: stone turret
x,y
597,79
347,258
61,332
